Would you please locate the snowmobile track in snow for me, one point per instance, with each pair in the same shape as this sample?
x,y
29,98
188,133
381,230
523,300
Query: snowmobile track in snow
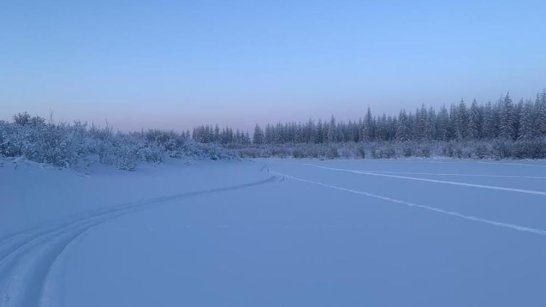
x,y
27,257
526,229
457,183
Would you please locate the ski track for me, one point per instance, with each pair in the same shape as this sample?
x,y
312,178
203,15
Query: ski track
x,y
465,184
456,175
537,231
488,162
513,164
27,257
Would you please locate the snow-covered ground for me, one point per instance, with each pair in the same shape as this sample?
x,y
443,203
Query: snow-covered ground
x,y
275,233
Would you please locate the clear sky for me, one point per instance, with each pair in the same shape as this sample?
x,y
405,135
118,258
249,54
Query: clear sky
x,y
176,64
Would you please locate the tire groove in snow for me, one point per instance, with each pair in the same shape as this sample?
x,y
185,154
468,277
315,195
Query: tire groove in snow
x,y
465,184
456,175
33,268
537,231
513,164
27,257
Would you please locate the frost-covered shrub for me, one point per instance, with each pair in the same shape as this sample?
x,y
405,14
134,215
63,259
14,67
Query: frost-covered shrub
x,y
407,151
505,149
332,152
534,149
119,150
481,151
423,151
77,145
167,141
360,152
501,149
151,154
10,144
383,153
298,153
280,151
206,151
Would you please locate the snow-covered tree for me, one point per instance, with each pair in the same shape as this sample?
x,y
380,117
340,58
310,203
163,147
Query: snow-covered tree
x,y
506,125
332,131
527,129
540,109
475,121
403,131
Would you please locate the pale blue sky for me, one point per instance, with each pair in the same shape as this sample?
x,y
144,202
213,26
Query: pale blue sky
x,y
175,64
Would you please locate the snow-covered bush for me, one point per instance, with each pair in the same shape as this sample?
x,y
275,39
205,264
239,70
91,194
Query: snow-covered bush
x,y
498,149
77,145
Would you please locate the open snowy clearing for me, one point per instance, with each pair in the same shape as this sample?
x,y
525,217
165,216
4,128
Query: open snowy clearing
x,y
275,233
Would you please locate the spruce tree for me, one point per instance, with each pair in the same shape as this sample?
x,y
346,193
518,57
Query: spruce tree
x,y
527,123
475,121
540,109
403,130
507,119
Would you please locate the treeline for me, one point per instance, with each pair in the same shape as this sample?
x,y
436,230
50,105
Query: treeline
x,y
503,120
501,130
210,134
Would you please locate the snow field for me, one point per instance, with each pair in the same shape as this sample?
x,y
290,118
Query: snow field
x,y
280,232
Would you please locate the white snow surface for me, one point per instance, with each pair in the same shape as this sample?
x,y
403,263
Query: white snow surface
x,y
274,232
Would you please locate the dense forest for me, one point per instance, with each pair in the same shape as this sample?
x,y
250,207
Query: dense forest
x,y
501,130
506,120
